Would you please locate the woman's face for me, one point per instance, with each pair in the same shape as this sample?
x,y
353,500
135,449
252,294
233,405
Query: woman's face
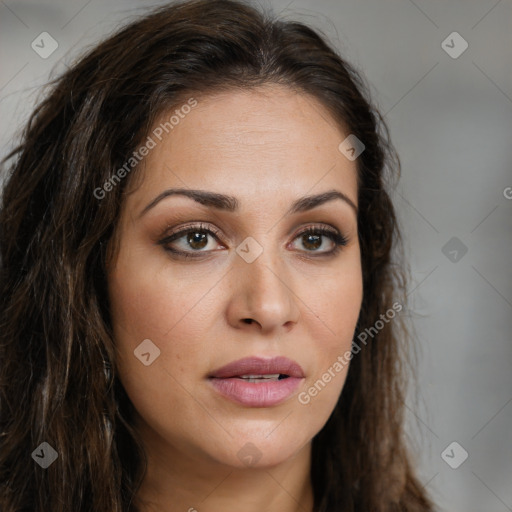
x,y
178,320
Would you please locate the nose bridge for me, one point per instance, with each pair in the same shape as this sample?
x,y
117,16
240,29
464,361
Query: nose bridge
x,y
263,287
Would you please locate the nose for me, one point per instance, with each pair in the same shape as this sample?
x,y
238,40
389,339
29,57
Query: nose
x,y
262,295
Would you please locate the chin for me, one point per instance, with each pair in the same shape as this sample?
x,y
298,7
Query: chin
x,y
258,452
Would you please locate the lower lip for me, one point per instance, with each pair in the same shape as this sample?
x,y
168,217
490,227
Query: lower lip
x,y
256,394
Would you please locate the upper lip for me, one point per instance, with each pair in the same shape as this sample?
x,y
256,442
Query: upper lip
x,y
259,366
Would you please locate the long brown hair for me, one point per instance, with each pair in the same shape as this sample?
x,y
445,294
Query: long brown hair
x,y
58,379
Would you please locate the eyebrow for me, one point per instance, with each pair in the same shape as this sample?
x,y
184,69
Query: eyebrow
x,y
231,204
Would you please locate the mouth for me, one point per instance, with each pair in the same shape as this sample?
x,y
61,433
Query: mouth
x,y
262,378
258,382
276,368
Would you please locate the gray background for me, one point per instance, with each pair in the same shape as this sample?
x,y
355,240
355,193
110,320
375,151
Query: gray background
x,y
451,121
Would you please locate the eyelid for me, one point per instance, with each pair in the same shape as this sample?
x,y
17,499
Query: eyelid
x,y
199,226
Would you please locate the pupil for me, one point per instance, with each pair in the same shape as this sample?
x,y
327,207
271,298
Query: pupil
x,y
193,241
315,245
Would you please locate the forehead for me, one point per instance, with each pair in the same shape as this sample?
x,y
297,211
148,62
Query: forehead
x,y
258,140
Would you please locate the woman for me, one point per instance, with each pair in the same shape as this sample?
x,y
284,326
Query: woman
x,y
199,306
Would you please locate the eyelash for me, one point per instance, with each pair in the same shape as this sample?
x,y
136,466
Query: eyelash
x,y
336,237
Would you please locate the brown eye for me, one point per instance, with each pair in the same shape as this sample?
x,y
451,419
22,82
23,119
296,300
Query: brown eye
x,y
190,241
197,240
194,241
312,240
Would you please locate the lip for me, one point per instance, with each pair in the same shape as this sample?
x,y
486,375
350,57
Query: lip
x,y
227,381
259,366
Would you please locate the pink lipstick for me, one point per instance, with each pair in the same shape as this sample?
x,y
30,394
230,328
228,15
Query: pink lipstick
x,y
258,382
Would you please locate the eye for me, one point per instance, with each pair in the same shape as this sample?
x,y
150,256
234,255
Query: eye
x,y
192,241
194,237
311,239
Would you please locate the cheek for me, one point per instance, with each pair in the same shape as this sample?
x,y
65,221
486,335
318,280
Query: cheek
x,y
147,300
336,307
335,301
146,305
345,304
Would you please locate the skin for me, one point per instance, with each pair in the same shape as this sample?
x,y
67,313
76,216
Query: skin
x,y
267,147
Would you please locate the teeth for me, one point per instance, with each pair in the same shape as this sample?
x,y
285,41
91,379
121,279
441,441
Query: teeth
x,y
259,378
271,376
